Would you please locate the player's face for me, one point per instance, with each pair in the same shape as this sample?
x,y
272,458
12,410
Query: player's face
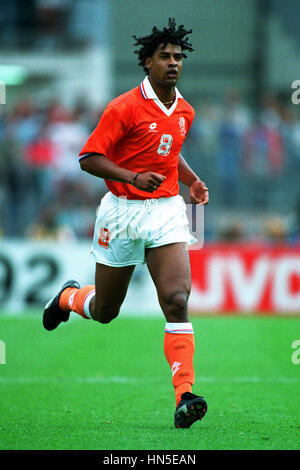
x,y
165,65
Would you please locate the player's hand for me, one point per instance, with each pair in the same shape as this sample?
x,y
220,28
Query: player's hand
x,y
149,181
199,193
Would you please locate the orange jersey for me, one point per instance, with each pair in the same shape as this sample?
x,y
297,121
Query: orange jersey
x,y
137,132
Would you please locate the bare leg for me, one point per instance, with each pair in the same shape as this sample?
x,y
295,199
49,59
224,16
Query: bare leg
x,y
170,270
111,288
169,267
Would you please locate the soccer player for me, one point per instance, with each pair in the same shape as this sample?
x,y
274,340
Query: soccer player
x,y
142,218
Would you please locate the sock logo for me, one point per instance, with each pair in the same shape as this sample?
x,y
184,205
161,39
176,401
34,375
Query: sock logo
x,y
71,299
175,367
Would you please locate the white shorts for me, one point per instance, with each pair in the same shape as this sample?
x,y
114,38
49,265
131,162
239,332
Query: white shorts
x,y
124,228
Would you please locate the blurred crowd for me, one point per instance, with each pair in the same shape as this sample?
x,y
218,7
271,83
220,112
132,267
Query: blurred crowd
x,y
250,160
249,156
44,193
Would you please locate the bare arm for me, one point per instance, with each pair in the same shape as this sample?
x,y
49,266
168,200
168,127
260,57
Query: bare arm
x,y
100,166
198,189
185,173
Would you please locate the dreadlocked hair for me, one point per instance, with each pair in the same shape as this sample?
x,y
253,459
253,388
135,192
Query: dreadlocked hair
x,y
167,35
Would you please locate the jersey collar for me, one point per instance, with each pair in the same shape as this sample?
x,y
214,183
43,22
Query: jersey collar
x,y
149,94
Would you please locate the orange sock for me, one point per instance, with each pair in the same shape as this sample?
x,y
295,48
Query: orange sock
x,y
77,300
179,346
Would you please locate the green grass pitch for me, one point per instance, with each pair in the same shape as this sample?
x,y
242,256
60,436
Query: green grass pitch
x,y
91,386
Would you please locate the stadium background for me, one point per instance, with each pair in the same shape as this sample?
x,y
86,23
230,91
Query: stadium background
x,y
61,62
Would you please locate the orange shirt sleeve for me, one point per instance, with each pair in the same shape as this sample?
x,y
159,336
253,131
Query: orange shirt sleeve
x,y
112,127
190,121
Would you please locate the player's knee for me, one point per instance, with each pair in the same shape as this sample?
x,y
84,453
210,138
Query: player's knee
x,y
176,306
105,314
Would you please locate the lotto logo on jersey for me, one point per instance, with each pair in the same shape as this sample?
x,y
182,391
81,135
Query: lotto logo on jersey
x,y
153,127
182,126
104,237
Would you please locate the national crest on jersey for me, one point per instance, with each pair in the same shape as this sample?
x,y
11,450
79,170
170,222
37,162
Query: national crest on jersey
x,y
137,132
182,126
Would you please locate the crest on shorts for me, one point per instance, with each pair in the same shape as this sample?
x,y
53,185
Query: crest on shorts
x,y
182,126
104,237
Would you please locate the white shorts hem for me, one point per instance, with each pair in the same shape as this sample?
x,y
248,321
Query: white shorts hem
x,y
169,242
116,265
